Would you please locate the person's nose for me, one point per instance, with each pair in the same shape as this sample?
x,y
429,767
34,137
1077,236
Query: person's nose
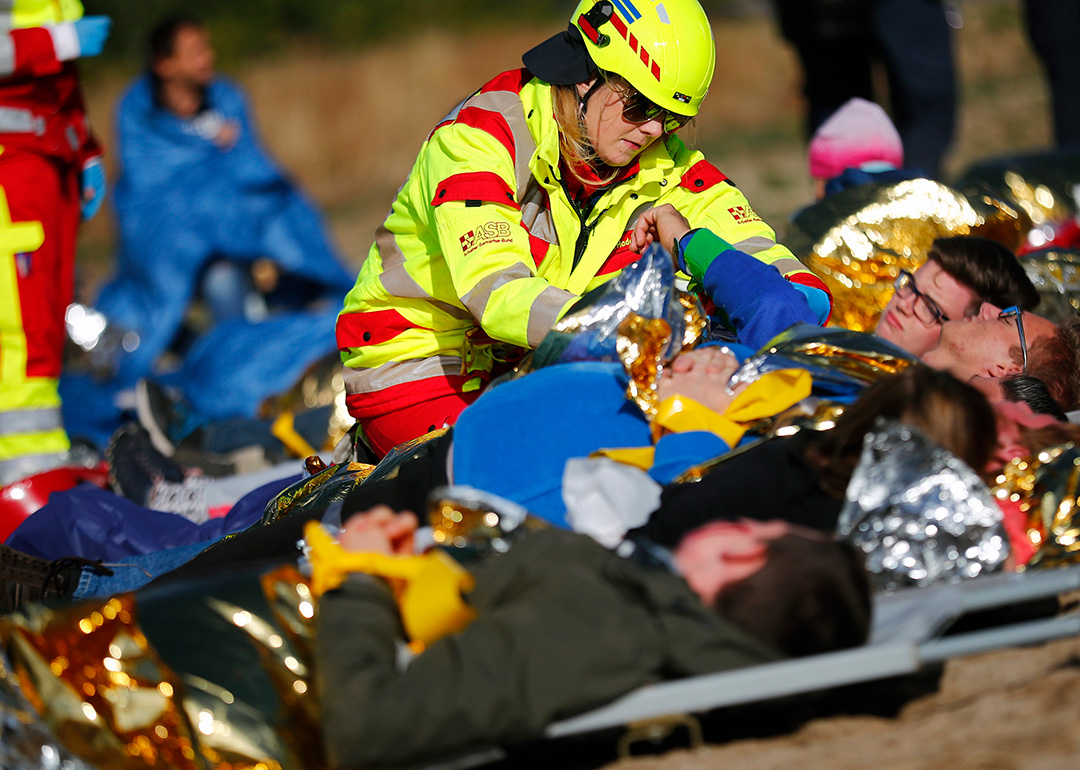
x,y
906,304
653,127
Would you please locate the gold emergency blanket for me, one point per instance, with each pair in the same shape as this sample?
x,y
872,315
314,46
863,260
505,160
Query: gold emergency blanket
x,y
213,675
1056,275
1047,488
1042,186
858,240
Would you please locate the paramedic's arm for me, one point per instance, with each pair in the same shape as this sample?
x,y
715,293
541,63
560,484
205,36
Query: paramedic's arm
x,y
760,302
469,176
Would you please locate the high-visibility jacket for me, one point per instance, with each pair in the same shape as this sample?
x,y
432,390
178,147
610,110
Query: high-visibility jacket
x,y
44,141
483,249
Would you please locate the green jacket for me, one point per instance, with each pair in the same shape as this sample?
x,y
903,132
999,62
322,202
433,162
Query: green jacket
x,y
563,626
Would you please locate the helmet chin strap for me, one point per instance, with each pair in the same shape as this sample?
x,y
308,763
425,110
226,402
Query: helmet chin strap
x,y
583,100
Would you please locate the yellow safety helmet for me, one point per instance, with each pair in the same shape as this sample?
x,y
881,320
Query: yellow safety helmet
x,y
663,48
34,13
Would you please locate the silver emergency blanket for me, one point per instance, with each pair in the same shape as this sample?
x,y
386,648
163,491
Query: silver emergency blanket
x,y
841,362
919,514
590,329
1056,274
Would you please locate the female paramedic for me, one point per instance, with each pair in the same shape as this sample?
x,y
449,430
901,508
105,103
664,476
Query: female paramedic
x,y
527,196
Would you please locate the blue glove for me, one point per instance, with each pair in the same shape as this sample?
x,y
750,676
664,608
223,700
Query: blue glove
x,y
92,32
93,187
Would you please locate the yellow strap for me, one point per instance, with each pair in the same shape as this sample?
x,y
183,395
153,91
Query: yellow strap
x,y
284,430
430,599
766,397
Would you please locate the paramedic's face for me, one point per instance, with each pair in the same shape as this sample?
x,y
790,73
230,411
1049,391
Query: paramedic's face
x,y
616,140
900,325
724,552
192,61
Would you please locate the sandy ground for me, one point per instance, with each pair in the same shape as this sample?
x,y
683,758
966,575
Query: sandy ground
x,y
997,711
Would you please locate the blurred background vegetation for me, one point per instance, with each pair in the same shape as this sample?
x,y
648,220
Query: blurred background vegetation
x,y
344,92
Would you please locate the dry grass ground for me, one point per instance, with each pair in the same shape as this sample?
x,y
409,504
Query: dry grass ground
x,y
348,126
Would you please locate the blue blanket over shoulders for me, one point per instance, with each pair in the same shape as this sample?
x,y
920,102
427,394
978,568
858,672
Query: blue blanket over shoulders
x,y
182,200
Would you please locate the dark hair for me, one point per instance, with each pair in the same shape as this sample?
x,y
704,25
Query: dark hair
x,y
951,413
1055,359
987,268
812,596
162,40
1025,389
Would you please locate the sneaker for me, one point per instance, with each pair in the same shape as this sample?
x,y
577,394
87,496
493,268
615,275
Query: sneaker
x,y
167,417
139,472
25,578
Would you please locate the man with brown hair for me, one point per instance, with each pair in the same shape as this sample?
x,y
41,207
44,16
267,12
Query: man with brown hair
x,y
960,273
997,344
564,625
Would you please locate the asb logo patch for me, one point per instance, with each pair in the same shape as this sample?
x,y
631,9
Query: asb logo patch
x,y
485,234
743,215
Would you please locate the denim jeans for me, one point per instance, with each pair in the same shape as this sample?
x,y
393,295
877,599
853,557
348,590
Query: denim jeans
x,y
136,571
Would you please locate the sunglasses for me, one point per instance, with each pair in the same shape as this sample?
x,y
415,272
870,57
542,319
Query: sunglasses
x,y
925,309
1018,314
638,109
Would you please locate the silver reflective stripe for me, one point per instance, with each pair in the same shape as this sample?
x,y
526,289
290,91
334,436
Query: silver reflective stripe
x,y
29,421
756,245
395,278
7,54
476,299
72,137
787,265
18,121
545,312
508,104
400,372
536,216
23,467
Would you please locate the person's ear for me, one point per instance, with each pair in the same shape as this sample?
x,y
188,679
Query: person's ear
x,y
584,88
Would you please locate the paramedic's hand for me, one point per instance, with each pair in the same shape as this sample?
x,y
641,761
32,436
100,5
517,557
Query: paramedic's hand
x,y
380,530
702,375
92,32
93,187
661,223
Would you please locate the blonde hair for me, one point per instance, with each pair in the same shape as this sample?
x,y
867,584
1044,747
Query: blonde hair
x,y
574,145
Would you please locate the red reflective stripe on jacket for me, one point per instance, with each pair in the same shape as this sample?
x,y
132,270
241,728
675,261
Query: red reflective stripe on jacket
x,y
491,122
701,176
620,257
355,330
511,80
538,248
407,394
485,186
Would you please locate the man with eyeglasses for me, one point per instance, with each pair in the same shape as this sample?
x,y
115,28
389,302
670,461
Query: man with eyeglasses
x,y
960,273
1003,342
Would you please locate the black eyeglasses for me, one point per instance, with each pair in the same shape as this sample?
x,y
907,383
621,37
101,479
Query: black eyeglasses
x,y
638,109
925,309
1018,314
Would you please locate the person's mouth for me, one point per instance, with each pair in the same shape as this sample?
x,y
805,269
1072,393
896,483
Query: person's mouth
x,y
892,321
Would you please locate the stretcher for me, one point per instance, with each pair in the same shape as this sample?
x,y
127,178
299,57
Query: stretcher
x,y
910,633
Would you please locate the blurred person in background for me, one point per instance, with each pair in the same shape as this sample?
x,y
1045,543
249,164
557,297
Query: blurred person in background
x,y
1054,28
525,197
202,208
51,177
839,43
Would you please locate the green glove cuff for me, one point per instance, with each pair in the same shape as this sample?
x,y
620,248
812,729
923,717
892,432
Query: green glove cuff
x,y
699,250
